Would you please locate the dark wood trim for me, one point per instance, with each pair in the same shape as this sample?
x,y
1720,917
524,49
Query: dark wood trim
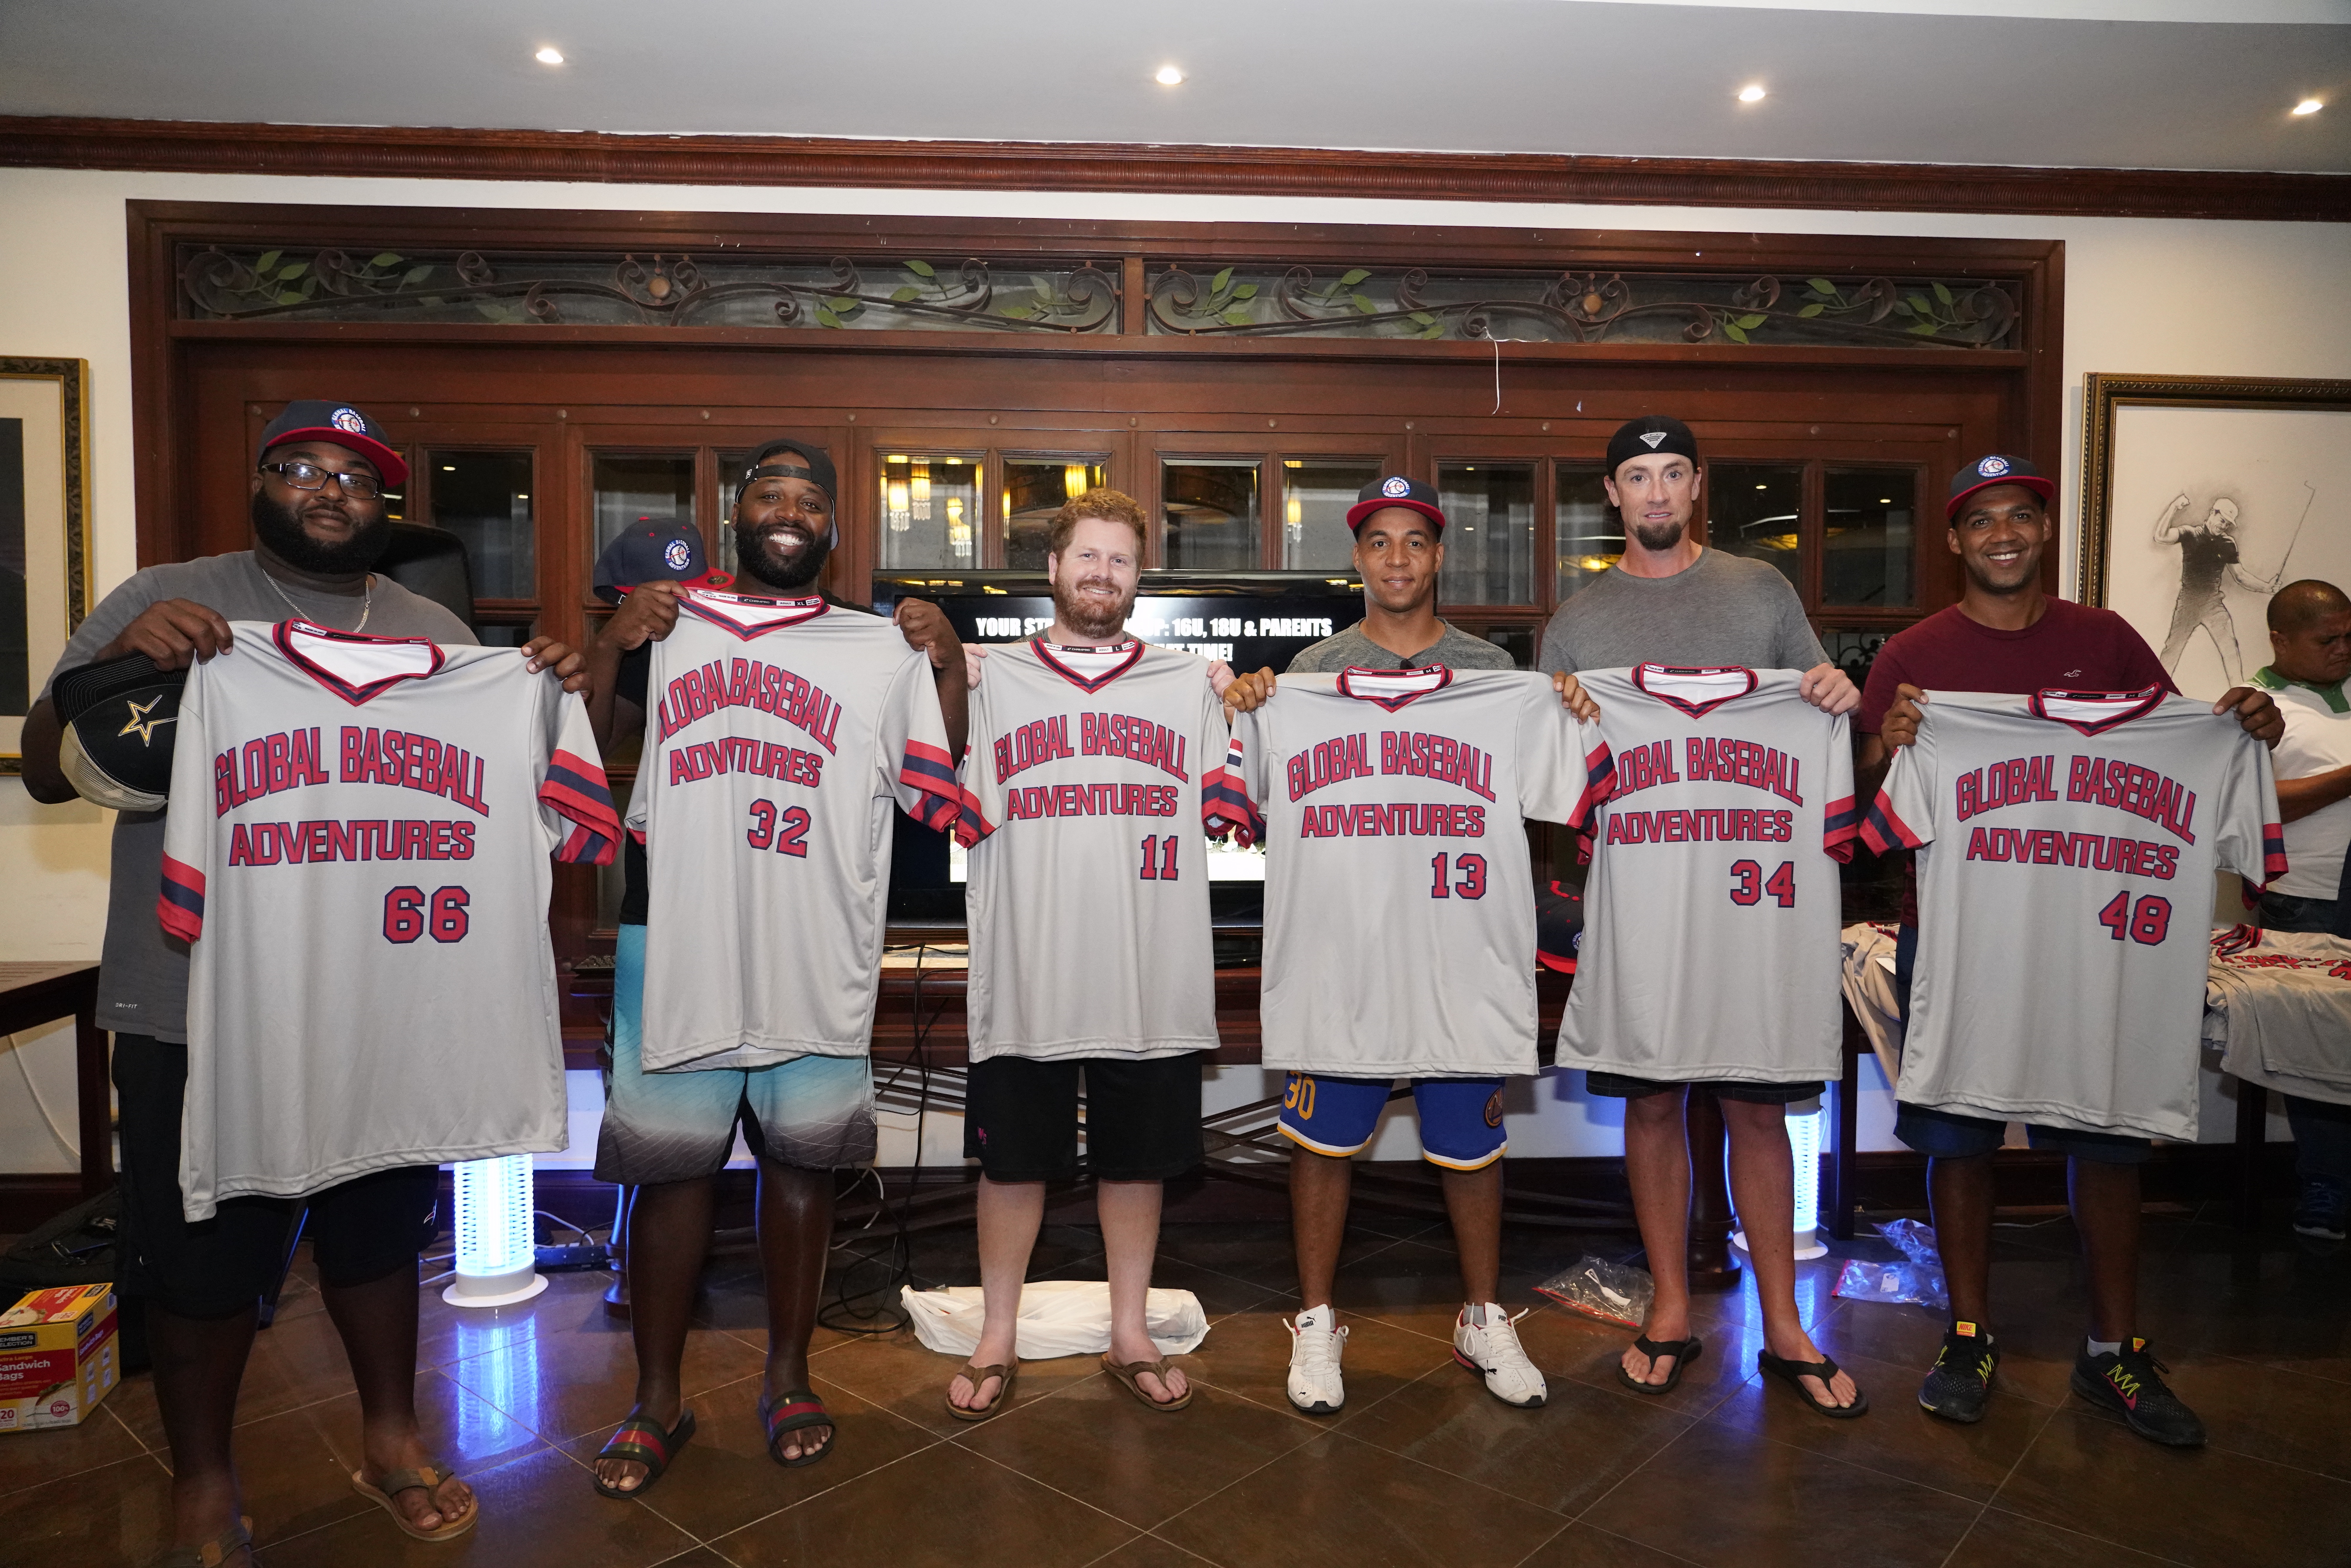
x,y
449,154
28,1202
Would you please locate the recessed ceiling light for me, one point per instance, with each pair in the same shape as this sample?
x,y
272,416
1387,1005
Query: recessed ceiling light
x,y
1168,77
1752,93
549,56
2309,106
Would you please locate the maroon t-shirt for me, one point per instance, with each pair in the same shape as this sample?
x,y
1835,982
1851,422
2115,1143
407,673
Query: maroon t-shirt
x,y
2072,647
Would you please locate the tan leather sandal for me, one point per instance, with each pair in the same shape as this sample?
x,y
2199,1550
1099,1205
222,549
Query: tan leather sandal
x,y
213,1553
979,1375
1127,1372
428,1476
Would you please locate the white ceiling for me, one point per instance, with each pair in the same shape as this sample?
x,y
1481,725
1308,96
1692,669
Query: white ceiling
x,y
2185,84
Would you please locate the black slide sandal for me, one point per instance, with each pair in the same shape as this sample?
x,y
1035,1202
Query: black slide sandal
x,y
1792,1372
640,1440
1683,1351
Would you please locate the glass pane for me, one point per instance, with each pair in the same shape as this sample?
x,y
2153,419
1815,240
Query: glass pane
x,y
1866,536
1489,532
1751,510
1316,494
1212,517
930,508
1587,531
513,635
484,498
642,487
1035,487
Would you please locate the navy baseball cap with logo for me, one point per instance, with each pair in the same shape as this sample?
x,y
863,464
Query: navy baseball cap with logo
x,y
648,551
1395,490
1999,469
314,419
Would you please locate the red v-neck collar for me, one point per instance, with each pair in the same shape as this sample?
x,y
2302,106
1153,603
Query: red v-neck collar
x,y
1642,672
1055,659
1392,689
749,617
2104,710
320,667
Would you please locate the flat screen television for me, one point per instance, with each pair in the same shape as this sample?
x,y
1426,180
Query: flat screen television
x,y
1252,621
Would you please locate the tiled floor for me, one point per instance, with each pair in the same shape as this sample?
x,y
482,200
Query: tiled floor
x,y
1422,1468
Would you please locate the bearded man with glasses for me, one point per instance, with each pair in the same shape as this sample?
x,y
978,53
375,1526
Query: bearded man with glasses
x,y
318,526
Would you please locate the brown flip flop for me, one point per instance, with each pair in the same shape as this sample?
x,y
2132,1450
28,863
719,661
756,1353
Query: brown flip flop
x,y
1127,1372
979,1376
429,1475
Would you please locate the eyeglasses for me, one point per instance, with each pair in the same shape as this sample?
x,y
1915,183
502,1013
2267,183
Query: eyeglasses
x,y
310,476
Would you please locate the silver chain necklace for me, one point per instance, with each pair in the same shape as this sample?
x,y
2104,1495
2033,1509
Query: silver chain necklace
x,y
367,600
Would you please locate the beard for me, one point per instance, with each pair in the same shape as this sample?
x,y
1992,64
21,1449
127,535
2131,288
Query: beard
x,y
752,557
280,528
1656,536
1090,617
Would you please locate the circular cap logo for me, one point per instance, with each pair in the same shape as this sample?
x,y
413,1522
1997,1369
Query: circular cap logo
x,y
348,418
1992,467
1396,487
679,554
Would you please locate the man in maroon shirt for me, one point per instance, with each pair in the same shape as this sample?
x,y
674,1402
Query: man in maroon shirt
x,y
2006,635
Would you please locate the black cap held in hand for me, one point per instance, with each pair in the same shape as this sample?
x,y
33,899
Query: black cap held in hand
x,y
1651,433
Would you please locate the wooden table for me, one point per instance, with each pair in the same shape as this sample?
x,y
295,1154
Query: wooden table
x,y
36,994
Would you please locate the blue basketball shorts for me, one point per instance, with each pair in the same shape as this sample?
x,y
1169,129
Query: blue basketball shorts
x,y
1460,1118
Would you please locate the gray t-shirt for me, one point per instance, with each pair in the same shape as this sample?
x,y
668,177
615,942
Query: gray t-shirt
x,y
1721,610
1350,649
143,978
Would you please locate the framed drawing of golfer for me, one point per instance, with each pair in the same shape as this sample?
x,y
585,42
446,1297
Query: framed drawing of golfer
x,y
2201,497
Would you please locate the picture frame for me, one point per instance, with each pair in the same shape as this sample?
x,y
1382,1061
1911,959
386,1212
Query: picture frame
x,y
2203,495
45,530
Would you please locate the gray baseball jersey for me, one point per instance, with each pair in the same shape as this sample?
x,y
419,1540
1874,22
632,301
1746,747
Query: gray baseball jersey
x,y
1088,902
1711,912
1399,900
780,736
357,852
2067,842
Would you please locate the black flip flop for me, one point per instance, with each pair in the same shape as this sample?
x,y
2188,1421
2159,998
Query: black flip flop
x,y
640,1440
788,1412
1683,1351
1792,1373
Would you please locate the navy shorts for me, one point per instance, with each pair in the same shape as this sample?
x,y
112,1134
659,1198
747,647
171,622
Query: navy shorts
x,y
1460,1118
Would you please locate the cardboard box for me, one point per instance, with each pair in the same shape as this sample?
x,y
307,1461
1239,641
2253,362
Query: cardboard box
x,y
57,1356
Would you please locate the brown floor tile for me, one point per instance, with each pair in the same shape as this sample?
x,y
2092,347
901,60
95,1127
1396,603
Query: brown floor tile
x,y
897,1373
2266,1412
573,1303
1896,1437
1148,1552
533,1513
2036,1356
945,1505
466,1431
1721,1496
1248,1354
723,1478
1582,1546
562,1386
1093,1441
2004,1539
1218,1294
1339,1503
1566,1344
1262,1255
116,1517
2201,1507
1560,1457
700,1557
294,1362
37,1458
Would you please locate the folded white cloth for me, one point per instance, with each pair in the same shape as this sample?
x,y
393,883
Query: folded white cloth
x,y
1058,1317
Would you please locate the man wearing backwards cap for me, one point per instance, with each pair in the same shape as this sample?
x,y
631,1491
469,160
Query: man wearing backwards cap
x,y
1668,601
318,525
784,528
2006,635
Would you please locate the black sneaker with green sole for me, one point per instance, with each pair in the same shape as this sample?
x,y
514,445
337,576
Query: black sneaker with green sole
x,y
2130,1384
1959,1385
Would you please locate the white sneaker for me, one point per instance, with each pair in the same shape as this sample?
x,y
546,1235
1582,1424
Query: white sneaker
x,y
1314,1347
1485,1342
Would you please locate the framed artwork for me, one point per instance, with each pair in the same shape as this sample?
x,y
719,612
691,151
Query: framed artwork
x,y
45,520
2201,495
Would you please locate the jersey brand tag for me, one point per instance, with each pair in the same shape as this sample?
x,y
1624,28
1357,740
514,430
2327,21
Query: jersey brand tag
x,y
1089,669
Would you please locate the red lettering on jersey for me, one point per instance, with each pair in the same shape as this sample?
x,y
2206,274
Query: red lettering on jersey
x,y
1329,762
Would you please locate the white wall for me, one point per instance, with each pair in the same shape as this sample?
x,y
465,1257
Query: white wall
x,y
2149,296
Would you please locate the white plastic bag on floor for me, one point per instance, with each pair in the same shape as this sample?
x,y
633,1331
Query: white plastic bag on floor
x,y
1058,1317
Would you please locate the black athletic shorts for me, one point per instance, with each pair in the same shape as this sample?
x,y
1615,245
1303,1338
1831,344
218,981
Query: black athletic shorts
x,y
1617,1086
1143,1118
359,1231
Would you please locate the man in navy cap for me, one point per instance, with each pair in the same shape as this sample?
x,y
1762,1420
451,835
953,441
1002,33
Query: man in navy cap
x,y
2005,634
1670,601
318,526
